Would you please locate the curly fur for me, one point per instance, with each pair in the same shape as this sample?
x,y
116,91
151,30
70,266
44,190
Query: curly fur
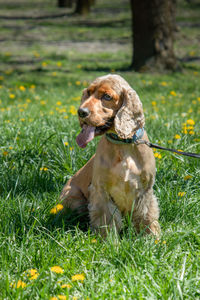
x,y
118,179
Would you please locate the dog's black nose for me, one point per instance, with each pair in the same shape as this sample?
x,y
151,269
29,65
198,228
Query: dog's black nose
x,y
83,112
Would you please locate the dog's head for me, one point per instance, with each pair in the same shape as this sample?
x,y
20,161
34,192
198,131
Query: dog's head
x,y
109,104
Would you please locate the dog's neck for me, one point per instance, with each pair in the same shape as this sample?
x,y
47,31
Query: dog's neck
x,y
113,137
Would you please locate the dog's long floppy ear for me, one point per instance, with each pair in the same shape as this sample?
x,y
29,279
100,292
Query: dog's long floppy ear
x,y
130,116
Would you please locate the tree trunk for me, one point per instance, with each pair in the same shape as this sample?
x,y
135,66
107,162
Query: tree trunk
x,y
64,3
153,24
83,7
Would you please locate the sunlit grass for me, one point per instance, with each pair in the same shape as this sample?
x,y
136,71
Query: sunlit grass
x,y
43,256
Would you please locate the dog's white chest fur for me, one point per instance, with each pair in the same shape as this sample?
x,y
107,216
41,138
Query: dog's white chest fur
x,y
121,182
127,184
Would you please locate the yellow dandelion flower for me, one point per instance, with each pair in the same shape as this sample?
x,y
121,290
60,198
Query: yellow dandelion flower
x,y
63,286
173,93
7,54
66,117
32,86
62,110
187,177
10,147
1,78
59,64
79,66
66,143
44,64
51,112
78,277
194,102
62,297
45,169
11,96
94,241
191,132
164,242
1,86
20,284
22,88
59,103
198,98
43,102
71,148
78,98
157,241
164,83
177,136
153,103
36,54
28,100
57,269
190,110
78,82
190,122
73,110
192,53
181,194
32,274
169,141
85,83
158,155
53,298
22,119
5,153
8,72
54,74
56,209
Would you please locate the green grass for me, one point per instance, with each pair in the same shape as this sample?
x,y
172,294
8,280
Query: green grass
x,y
36,124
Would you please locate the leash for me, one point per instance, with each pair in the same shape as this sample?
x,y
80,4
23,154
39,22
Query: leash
x,y
137,139
151,145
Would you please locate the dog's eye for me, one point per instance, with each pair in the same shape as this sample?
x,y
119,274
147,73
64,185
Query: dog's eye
x,y
106,97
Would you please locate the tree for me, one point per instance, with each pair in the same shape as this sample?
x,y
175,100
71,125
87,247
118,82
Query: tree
x,y
64,3
153,25
83,6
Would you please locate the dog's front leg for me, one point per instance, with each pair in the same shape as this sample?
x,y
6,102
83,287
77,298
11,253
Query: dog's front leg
x,y
103,213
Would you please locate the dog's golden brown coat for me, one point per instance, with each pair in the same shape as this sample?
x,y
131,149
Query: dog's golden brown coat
x,y
118,179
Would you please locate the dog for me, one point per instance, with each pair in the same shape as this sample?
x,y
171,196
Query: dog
x,y
119,178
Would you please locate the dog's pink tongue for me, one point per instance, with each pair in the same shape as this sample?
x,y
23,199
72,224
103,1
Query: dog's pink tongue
x,y
86,135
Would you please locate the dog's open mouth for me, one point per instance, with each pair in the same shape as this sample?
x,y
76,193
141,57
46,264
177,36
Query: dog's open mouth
x,y
89,132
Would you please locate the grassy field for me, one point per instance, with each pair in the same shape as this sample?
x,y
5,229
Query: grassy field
x,y
46,61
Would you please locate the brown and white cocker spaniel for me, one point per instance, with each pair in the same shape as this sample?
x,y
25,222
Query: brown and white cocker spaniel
x,y
119,178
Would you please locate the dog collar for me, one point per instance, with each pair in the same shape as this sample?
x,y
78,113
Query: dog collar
x,y
113,138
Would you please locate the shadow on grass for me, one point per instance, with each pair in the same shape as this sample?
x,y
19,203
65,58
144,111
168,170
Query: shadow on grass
x,y
69,221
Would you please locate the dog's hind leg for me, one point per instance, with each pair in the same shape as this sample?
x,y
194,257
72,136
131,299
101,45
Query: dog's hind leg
x,y
75,193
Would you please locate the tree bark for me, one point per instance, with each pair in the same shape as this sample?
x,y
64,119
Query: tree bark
x,y
83,6
153,24
64,3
